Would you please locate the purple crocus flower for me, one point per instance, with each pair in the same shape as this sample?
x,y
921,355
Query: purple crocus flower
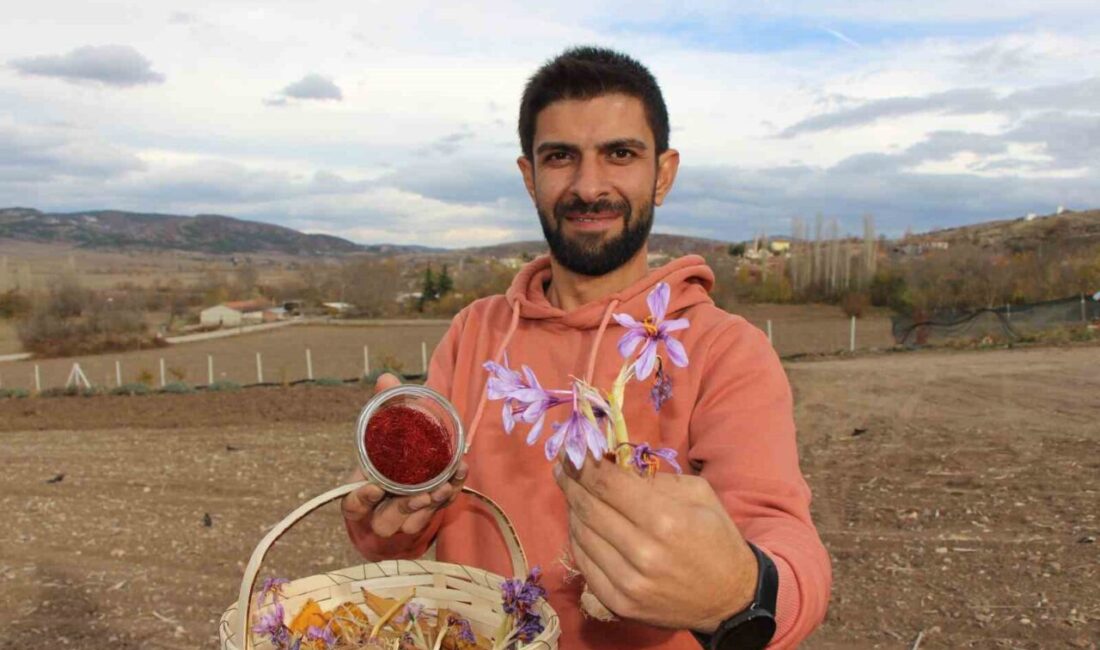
x,y
465,632
647,459
525,400
272,587
662,389
580,435
322,634
271,626
651,331
411,611
519,598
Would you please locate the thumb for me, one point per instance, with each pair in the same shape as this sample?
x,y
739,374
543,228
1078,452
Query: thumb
x,y
386,381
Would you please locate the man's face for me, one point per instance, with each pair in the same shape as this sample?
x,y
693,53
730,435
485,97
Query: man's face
x,y
595,180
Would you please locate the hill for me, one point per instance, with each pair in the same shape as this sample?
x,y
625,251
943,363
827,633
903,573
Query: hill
x,y
1069,228
206,233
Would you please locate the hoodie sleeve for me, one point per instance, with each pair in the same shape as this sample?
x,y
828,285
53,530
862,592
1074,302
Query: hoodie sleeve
x,y
742,433
401,546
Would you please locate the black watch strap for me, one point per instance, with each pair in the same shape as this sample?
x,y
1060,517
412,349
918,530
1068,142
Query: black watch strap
x,y
754,626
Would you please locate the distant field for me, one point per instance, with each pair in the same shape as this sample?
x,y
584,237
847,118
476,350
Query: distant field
x,y
337,351
40,264
817,329
9,340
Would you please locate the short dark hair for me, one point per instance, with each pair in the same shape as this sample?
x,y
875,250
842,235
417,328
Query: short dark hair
x,y
585,73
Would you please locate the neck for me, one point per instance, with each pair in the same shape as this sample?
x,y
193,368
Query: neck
x,y
569,290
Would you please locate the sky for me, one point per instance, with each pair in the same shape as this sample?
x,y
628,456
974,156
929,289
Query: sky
x,y
392,122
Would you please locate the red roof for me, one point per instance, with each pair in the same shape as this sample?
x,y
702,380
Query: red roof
x,y
247,305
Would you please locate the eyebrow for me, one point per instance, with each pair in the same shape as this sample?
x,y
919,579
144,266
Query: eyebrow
x,y
632,143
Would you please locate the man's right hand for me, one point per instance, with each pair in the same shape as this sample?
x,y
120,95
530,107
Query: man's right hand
x,y
388,514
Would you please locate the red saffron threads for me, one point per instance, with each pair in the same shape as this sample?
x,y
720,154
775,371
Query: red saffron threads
x,y
406,445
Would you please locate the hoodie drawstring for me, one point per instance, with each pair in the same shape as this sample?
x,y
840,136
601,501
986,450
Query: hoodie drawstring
x,y
599,337
512,326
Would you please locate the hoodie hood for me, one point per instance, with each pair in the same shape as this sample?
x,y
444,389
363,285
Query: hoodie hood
x,y
689,277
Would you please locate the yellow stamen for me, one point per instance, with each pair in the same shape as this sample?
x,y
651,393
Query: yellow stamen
x,y
650,327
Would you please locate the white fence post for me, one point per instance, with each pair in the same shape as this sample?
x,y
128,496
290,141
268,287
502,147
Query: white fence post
x,y
37,379
163,376
209,369
366,361
118,372
1084,315
259,369
770,331
852,336
309,365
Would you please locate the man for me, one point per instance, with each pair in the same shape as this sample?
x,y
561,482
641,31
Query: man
x,y
705,558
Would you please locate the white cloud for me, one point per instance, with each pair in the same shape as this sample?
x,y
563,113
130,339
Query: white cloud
x,y
111,65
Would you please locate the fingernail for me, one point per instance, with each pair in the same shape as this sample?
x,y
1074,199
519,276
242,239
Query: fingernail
x,y
557,470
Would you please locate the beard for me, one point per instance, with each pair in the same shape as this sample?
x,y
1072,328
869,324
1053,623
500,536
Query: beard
x,y
589,253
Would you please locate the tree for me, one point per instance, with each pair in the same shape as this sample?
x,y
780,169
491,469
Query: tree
x,y
444,284
429,290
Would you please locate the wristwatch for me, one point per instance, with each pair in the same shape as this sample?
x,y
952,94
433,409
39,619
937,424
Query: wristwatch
x,y
753,627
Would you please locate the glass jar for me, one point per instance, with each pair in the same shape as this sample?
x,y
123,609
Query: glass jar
x,y
427,402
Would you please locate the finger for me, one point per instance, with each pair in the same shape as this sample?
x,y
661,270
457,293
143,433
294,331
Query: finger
x,y
461,472
418,521
385,381
611,560
390,515
361,503
596,514
441,495
598,582
623,492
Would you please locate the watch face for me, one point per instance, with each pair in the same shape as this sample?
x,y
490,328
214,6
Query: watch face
x,y
753,633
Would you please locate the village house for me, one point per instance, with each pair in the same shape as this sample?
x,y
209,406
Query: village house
x,y
238,313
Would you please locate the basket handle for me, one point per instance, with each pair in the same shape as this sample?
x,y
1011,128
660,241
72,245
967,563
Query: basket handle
x,y
251,572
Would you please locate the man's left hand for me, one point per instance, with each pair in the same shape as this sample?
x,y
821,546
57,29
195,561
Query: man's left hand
x,y
659,550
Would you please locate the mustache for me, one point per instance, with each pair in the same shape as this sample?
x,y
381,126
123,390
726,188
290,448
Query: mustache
x,y
579,206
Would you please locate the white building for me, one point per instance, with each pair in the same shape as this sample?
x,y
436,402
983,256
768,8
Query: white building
x,y
220,316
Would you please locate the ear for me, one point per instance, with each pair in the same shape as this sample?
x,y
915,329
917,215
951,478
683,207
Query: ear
x,y
527,168
667,165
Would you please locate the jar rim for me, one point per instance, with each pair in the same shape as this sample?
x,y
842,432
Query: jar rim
x,y
377,402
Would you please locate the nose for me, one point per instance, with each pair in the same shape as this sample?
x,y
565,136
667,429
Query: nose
x,y
589,180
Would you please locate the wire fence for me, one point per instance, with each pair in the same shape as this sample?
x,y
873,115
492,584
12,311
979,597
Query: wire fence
x,y
1012,322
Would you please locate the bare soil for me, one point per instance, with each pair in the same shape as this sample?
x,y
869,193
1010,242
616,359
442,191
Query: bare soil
x,y
956,491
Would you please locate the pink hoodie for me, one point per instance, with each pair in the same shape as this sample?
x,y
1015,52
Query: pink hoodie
x,y
730,417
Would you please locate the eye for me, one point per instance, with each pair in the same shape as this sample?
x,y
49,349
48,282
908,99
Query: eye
x,y
556,156
622,154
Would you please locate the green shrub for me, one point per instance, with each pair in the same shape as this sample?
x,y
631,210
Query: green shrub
x,y
60,391
328,381
224,386
13,393
177,388
131,389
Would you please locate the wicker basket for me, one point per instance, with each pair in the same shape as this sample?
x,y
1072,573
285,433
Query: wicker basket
x,y
467,591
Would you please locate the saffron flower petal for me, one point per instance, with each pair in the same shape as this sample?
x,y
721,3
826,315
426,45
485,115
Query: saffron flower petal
x,y
646,360
536,430
658,301
674,325
626,320
629,342
553,443
676,352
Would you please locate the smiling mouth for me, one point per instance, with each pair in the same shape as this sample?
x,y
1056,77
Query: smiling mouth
x,y
592,218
